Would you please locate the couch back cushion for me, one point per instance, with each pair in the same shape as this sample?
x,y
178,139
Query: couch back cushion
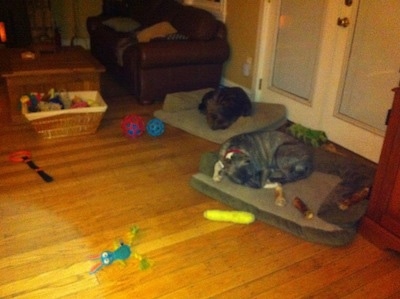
x,y
143,10
195,23
149,12
115,8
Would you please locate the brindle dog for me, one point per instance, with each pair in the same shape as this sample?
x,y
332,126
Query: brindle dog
x,y
224,106
254,159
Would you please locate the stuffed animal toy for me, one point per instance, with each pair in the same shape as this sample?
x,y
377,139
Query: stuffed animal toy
x,y
314,137
121,253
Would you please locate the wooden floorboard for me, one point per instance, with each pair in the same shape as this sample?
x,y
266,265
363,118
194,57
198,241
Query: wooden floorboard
x,y
105,183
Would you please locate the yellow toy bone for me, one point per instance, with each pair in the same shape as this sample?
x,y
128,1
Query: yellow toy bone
x,y
229,216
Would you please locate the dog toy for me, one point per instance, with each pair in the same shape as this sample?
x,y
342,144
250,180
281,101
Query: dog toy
x,y
354,199
155,127
280,200
25,156
229,216
121,253
302,207
108,257
314,137
133,126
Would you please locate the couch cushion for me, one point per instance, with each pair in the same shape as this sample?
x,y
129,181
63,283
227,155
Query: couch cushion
x,y
195,23
161,29
122,24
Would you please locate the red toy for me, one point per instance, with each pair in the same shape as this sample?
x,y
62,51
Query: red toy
x,y
133,126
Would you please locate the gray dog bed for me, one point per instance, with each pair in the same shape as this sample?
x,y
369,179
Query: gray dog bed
x,y
180,110
334,177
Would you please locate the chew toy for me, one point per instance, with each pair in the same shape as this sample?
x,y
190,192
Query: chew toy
x,y
302,207
121,253
280,200
133,126
354,199
25,157
155,127
314,137
229,216
106,258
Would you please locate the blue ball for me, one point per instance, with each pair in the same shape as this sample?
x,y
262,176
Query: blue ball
x,y
155,127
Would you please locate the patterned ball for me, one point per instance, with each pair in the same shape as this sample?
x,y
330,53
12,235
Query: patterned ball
x,y
132,126
155,127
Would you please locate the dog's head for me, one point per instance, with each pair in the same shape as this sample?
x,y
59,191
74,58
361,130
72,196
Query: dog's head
x,y
223,107
219,114
219,121
240,168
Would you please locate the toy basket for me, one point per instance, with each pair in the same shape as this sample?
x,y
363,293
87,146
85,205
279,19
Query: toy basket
x,y
69,122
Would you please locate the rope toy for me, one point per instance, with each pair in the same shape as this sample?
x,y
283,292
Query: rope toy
x,y
25,157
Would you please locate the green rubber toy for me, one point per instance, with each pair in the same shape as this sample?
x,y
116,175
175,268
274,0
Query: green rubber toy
x,y
229,216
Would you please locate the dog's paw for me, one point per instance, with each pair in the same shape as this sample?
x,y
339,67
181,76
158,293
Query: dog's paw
x,y
218,167
270,185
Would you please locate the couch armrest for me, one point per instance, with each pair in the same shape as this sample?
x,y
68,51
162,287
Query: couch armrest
x,y
94,22
171,53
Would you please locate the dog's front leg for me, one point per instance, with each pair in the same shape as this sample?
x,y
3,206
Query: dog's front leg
x,y
218,167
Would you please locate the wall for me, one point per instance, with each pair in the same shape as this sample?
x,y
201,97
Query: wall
x,y
242,23
70,17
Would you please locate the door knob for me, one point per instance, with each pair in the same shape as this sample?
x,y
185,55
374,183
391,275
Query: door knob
x,y
344,22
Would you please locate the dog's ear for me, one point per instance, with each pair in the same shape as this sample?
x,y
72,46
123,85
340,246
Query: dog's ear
x,y
203,105
233,156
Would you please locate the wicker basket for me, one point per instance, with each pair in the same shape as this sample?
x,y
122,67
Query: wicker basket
x,y
69,122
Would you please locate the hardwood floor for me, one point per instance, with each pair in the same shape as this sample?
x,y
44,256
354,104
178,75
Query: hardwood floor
x,y
105,183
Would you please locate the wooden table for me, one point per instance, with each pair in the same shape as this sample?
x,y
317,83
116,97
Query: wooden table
x,y
70,68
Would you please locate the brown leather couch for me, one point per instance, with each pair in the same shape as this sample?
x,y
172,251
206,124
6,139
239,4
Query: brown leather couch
x,y
190,58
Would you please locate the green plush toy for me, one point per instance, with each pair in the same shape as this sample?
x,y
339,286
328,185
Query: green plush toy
x,y
314,137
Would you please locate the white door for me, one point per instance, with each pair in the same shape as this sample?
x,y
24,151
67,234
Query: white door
x,y
308,62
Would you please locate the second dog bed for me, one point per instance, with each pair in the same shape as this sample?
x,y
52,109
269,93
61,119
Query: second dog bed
x,y
180,110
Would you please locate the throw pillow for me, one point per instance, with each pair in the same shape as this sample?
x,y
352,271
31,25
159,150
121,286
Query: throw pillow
x,y
157,30
176,36
121,24
171,37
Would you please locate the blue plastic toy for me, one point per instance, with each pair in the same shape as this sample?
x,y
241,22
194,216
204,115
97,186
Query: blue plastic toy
x,y
155,127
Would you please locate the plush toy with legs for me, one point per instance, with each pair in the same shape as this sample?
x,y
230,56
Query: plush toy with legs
x,y
314,137
121,253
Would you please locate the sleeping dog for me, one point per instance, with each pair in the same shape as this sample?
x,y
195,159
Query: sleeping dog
x,y
224,106
257,158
